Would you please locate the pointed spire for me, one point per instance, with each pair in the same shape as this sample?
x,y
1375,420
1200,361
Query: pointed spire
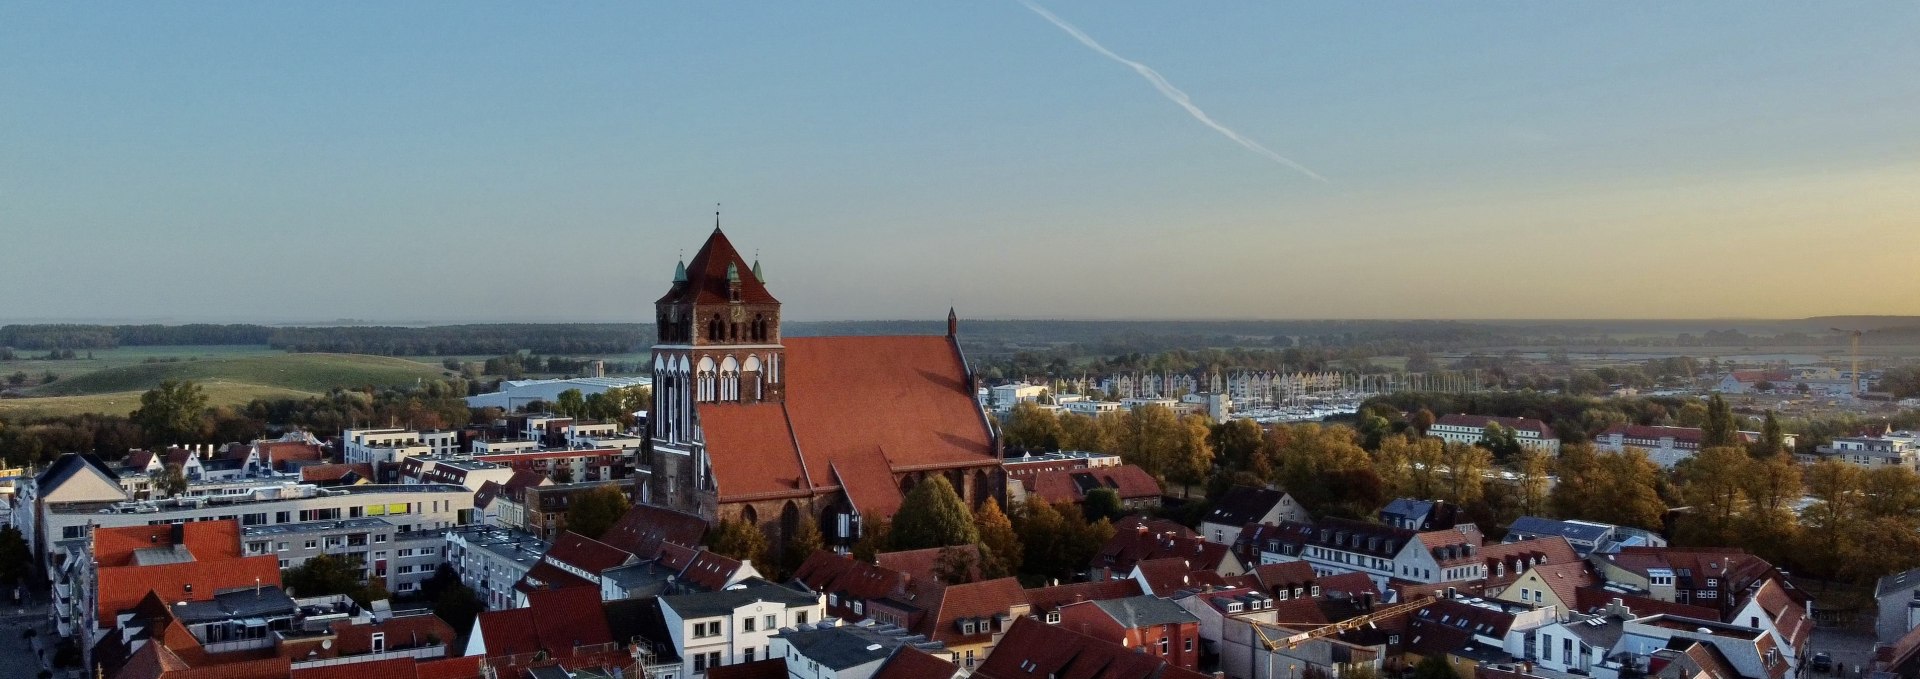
x,y
680,270
758,275
953,322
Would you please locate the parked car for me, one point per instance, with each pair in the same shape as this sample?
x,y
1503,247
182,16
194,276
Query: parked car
x,y
1822,662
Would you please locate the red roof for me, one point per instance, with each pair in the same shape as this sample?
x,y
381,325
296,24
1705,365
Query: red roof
x,y
1288,574
216,565
1352,584
948,604
545,576
275,453
585,553
332,472
1036,650
869,483
1136,539
913,663
778,449
707,277
1072,485
920,564
1044,599
554,620
641,530
1165,576
1592,599
704,569
847,579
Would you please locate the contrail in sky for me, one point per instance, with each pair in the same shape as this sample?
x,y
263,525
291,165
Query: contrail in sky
x,y
1169,91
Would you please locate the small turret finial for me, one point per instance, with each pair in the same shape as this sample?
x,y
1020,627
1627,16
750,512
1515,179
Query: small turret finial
x,y
716,216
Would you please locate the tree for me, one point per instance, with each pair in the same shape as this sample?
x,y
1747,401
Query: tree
x,y
1149,436
1720,428
1311,456
1423,420
327,574
1772,441
1081,432
173,412
1192,457
593,511
932,515
1435,666
874,537
172,481
1533,471
804,541
957,566
1501,440
570,403
1103,503
14,556
1466,466
1031,426
738,540
1236,441
999,540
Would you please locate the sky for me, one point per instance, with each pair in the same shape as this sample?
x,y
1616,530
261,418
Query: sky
x,y
479,162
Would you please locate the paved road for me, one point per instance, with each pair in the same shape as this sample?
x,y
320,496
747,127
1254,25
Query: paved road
x,y
1853,648
16,652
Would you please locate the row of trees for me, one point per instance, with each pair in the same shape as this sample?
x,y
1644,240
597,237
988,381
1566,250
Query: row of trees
x,y
1170,447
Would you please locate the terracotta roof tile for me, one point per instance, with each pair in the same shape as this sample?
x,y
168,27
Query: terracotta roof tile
x,y
913,663
555,620
1044,599
641,530
985,599
920,383
707,277
868,483
1072,485
755,454
847,579
920,564
585,553
1036,650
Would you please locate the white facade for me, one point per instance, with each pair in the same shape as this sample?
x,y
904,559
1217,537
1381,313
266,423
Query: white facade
x,y
1006,396
409,508
490,560
1091,408
743,633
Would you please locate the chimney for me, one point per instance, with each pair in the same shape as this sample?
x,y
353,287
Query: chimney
x,y
179,533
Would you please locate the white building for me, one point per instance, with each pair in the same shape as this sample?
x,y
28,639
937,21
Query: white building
x,y
490,560
383,449
1470,429
519,393
1006,396
735,625
1090,407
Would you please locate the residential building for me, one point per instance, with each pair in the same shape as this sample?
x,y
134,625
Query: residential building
x,y
1748,651
1586,537
1006,396
1136,539
565,628
1549,585
968,619
490,560
1531,434
1091,407
465,472
1892,449
1897,597
749,425
1045,602
1033,649
1242,505
114,568
1134,487
737,625
564,465
382,449
405,559
1381,552
1157,626
1710,578
1420,515
824,651
848,583
1666,446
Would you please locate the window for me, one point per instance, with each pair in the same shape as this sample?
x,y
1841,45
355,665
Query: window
x,y
1053,617
800,618
379,642
1189,643
279,546
747,655
1163,645
312,544
284,565
253,519
403,570
969,657
772,623
747,624
379,539
406,553
699,663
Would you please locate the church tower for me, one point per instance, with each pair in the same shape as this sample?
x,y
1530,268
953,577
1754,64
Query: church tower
x,y
718,344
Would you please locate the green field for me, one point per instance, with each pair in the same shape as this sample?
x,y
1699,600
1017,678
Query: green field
x,y
112,381
313,373
121,403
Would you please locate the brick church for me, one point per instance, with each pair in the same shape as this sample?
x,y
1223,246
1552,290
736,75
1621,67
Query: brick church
x,y
747,424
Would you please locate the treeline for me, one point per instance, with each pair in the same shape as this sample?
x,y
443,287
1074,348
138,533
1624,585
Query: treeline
x,y
70,336
451,340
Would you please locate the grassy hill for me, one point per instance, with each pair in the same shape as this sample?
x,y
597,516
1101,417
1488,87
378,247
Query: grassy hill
x,y
309,373
123,402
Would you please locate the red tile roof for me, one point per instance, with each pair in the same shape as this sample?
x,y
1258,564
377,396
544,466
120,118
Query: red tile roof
x,y
919,382
868,483
1565,579
1135,540
754,449
1036,650
704,569
545,576
215,567
554,620
921,564
847,579
775,668
1352,584
1072,485
1289,574
1167,575
913,663
1044,599
641,530
276,454
950,603
707,281
332,472
448,668
208,540
585,553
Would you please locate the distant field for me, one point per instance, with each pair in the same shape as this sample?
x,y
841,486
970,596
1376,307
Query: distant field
x,y
104,359
314,373
121,403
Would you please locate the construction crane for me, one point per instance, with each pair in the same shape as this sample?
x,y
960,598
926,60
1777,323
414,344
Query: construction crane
x,y
1853,388
1294,639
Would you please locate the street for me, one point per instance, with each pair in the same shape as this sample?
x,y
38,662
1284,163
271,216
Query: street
x,y
1850,649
